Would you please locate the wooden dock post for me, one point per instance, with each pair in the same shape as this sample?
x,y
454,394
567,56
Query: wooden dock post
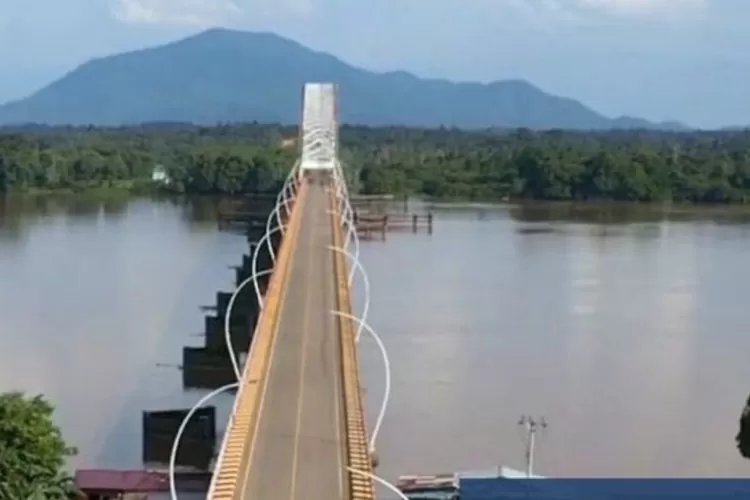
x,y
370,223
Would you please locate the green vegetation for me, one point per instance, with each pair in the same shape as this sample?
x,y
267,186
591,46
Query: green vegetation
x,y
743,436
32,450
441,163
202,161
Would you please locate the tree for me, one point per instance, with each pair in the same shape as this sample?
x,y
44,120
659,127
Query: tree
x,y
743,436
32,450
446,163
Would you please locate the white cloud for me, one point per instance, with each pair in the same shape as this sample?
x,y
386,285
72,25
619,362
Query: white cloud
x,y
189,12
564,15
639,7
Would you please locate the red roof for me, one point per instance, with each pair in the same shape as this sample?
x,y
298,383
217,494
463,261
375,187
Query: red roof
x,y
131,481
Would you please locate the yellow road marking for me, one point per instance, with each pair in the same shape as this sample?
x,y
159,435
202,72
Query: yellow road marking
x,y
289,245
336,377
303,363
358,454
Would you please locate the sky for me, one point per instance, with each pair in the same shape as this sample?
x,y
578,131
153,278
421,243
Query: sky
x,y
683,60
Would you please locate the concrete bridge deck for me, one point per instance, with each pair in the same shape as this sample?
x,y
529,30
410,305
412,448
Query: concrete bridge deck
x,y
297,428
298,422
297,449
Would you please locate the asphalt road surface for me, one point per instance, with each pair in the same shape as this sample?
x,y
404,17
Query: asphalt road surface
x,y
296,451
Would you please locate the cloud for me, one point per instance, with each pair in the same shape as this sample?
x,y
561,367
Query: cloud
x,y
578,12
558,16
184,12
637,8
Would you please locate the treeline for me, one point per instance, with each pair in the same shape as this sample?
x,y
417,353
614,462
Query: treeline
x,y
195,160
556,165
442,163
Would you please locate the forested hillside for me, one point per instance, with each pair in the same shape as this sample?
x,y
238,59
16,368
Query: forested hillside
x,y
223,75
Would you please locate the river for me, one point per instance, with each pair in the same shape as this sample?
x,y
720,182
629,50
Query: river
x,y
625,330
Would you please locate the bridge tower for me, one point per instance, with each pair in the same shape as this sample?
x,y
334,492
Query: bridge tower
x,y
319,130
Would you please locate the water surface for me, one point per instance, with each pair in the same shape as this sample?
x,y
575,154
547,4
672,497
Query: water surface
x,y
97,298
626,331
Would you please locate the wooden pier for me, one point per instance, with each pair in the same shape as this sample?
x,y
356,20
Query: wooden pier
x,y
371,201
373,225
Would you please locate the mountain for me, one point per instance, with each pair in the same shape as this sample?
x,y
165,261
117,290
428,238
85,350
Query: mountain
x,y
227,76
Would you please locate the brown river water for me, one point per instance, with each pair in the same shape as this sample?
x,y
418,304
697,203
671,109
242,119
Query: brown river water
x,y
627,329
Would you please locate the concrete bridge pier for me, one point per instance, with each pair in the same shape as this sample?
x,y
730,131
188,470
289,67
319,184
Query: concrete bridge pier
x,y
205,368
257,229
240,332
210,366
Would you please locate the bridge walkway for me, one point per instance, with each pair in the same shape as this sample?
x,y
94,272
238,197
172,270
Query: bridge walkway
x,y
297,448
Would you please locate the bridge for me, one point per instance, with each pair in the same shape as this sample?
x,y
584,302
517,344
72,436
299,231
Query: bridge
x,y
297,429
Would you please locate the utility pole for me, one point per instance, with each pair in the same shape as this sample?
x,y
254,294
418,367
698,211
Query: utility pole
x,y
531,426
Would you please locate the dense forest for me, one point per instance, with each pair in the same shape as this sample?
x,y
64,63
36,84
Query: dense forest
x,y
438,163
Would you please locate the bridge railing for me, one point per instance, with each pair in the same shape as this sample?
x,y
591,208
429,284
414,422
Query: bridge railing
x,y
358,455
229,472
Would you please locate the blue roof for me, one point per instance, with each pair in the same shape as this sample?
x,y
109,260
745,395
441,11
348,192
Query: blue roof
x,y
500,488
603,489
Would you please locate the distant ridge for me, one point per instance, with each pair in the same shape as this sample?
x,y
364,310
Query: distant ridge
x,y
222,75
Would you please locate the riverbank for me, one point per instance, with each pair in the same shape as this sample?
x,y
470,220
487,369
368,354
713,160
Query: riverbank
x,y
113,188
585,205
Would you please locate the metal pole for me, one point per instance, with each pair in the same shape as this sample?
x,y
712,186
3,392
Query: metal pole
x,y
530,452
531,426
